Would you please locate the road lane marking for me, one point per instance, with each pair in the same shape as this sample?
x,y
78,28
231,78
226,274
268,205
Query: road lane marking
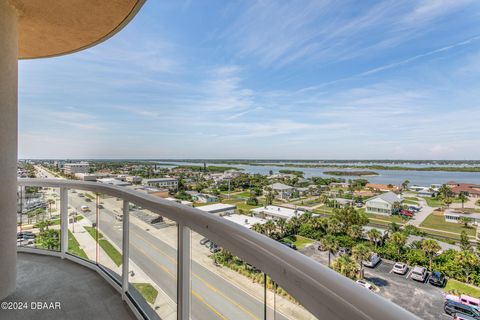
x,y
174,277
208,284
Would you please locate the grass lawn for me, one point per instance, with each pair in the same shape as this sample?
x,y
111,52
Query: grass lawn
x,y
147,291
411,198
388,219
323,210
462,288
432,202
299,241
240,204
74,247
106,245
415,203
438,222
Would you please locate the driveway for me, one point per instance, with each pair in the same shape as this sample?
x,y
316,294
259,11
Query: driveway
x,y
422,214
422,299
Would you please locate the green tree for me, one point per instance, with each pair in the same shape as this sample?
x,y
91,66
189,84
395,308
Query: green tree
x,y
431,248
361,252
330,244
281,224
375,236
465,241
399,240
269,198
469,261
465,221
405,184
346,266
50,203
463,196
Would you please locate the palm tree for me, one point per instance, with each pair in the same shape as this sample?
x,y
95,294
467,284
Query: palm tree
x,y
355,231
396,206
281,223
462,196
431,248
50,202
360,253
346,266
399,240
465,221
269,198
258,227
447,201
269,227
330,244
405,184
468,262
465,241
375,236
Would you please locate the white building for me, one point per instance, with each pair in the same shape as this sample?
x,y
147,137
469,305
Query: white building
x,y
72,168
383,203
220,209
113,181
269,212
455,216
134,179
170,183
245,221
282,191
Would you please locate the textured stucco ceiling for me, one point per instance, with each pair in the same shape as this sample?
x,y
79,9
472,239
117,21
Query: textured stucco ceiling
x,y
55,27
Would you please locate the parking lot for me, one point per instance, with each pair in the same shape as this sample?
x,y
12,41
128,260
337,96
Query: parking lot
x,y
422,299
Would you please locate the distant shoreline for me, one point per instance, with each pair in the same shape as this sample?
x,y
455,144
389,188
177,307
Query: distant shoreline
x,y
351,173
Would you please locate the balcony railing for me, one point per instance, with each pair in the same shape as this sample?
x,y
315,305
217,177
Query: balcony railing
x,y
165,270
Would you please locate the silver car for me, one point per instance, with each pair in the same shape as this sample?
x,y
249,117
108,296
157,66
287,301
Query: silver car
x,y
419,273
400,268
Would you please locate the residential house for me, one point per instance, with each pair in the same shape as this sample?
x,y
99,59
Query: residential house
x,y
455,217
282,191
382,204
472,190
382,187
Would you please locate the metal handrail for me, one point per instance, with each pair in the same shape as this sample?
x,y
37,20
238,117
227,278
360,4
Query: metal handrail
x,y
322,291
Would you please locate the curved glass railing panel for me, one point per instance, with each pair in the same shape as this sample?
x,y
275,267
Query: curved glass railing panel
x,y
158,255
152,275
38,218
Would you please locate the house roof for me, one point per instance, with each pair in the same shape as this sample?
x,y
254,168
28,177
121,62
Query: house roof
x,y
280,186
389,197
217,207
466,187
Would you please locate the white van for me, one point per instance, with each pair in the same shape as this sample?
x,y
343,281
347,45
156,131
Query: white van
x,y
373,261
84,208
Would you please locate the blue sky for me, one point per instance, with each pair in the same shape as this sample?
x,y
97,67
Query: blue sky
x,y
314,79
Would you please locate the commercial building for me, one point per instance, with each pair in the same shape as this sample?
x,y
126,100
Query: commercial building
x,y
169,183
220,209
245,221
383,203
272,212
73,168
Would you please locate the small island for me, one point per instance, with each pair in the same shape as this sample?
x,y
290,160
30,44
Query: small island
x,y
351,173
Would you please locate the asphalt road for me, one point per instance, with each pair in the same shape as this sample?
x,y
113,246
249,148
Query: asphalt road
x,y
213,297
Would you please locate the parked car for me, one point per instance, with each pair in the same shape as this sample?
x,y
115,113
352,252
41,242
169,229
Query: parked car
x,y
204,241
214,248
471,301
419,273
452,307
88,200
406,213
81,195
400,268
413,209
463,316
344,251
364,284
437,279
373,261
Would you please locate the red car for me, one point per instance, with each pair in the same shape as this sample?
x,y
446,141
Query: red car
x,y
406,213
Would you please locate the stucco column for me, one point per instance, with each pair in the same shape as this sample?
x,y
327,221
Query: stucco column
x,y
8,148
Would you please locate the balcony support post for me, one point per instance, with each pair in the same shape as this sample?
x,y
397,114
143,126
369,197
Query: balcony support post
x,y
8,147
64,220
125,248
183,273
